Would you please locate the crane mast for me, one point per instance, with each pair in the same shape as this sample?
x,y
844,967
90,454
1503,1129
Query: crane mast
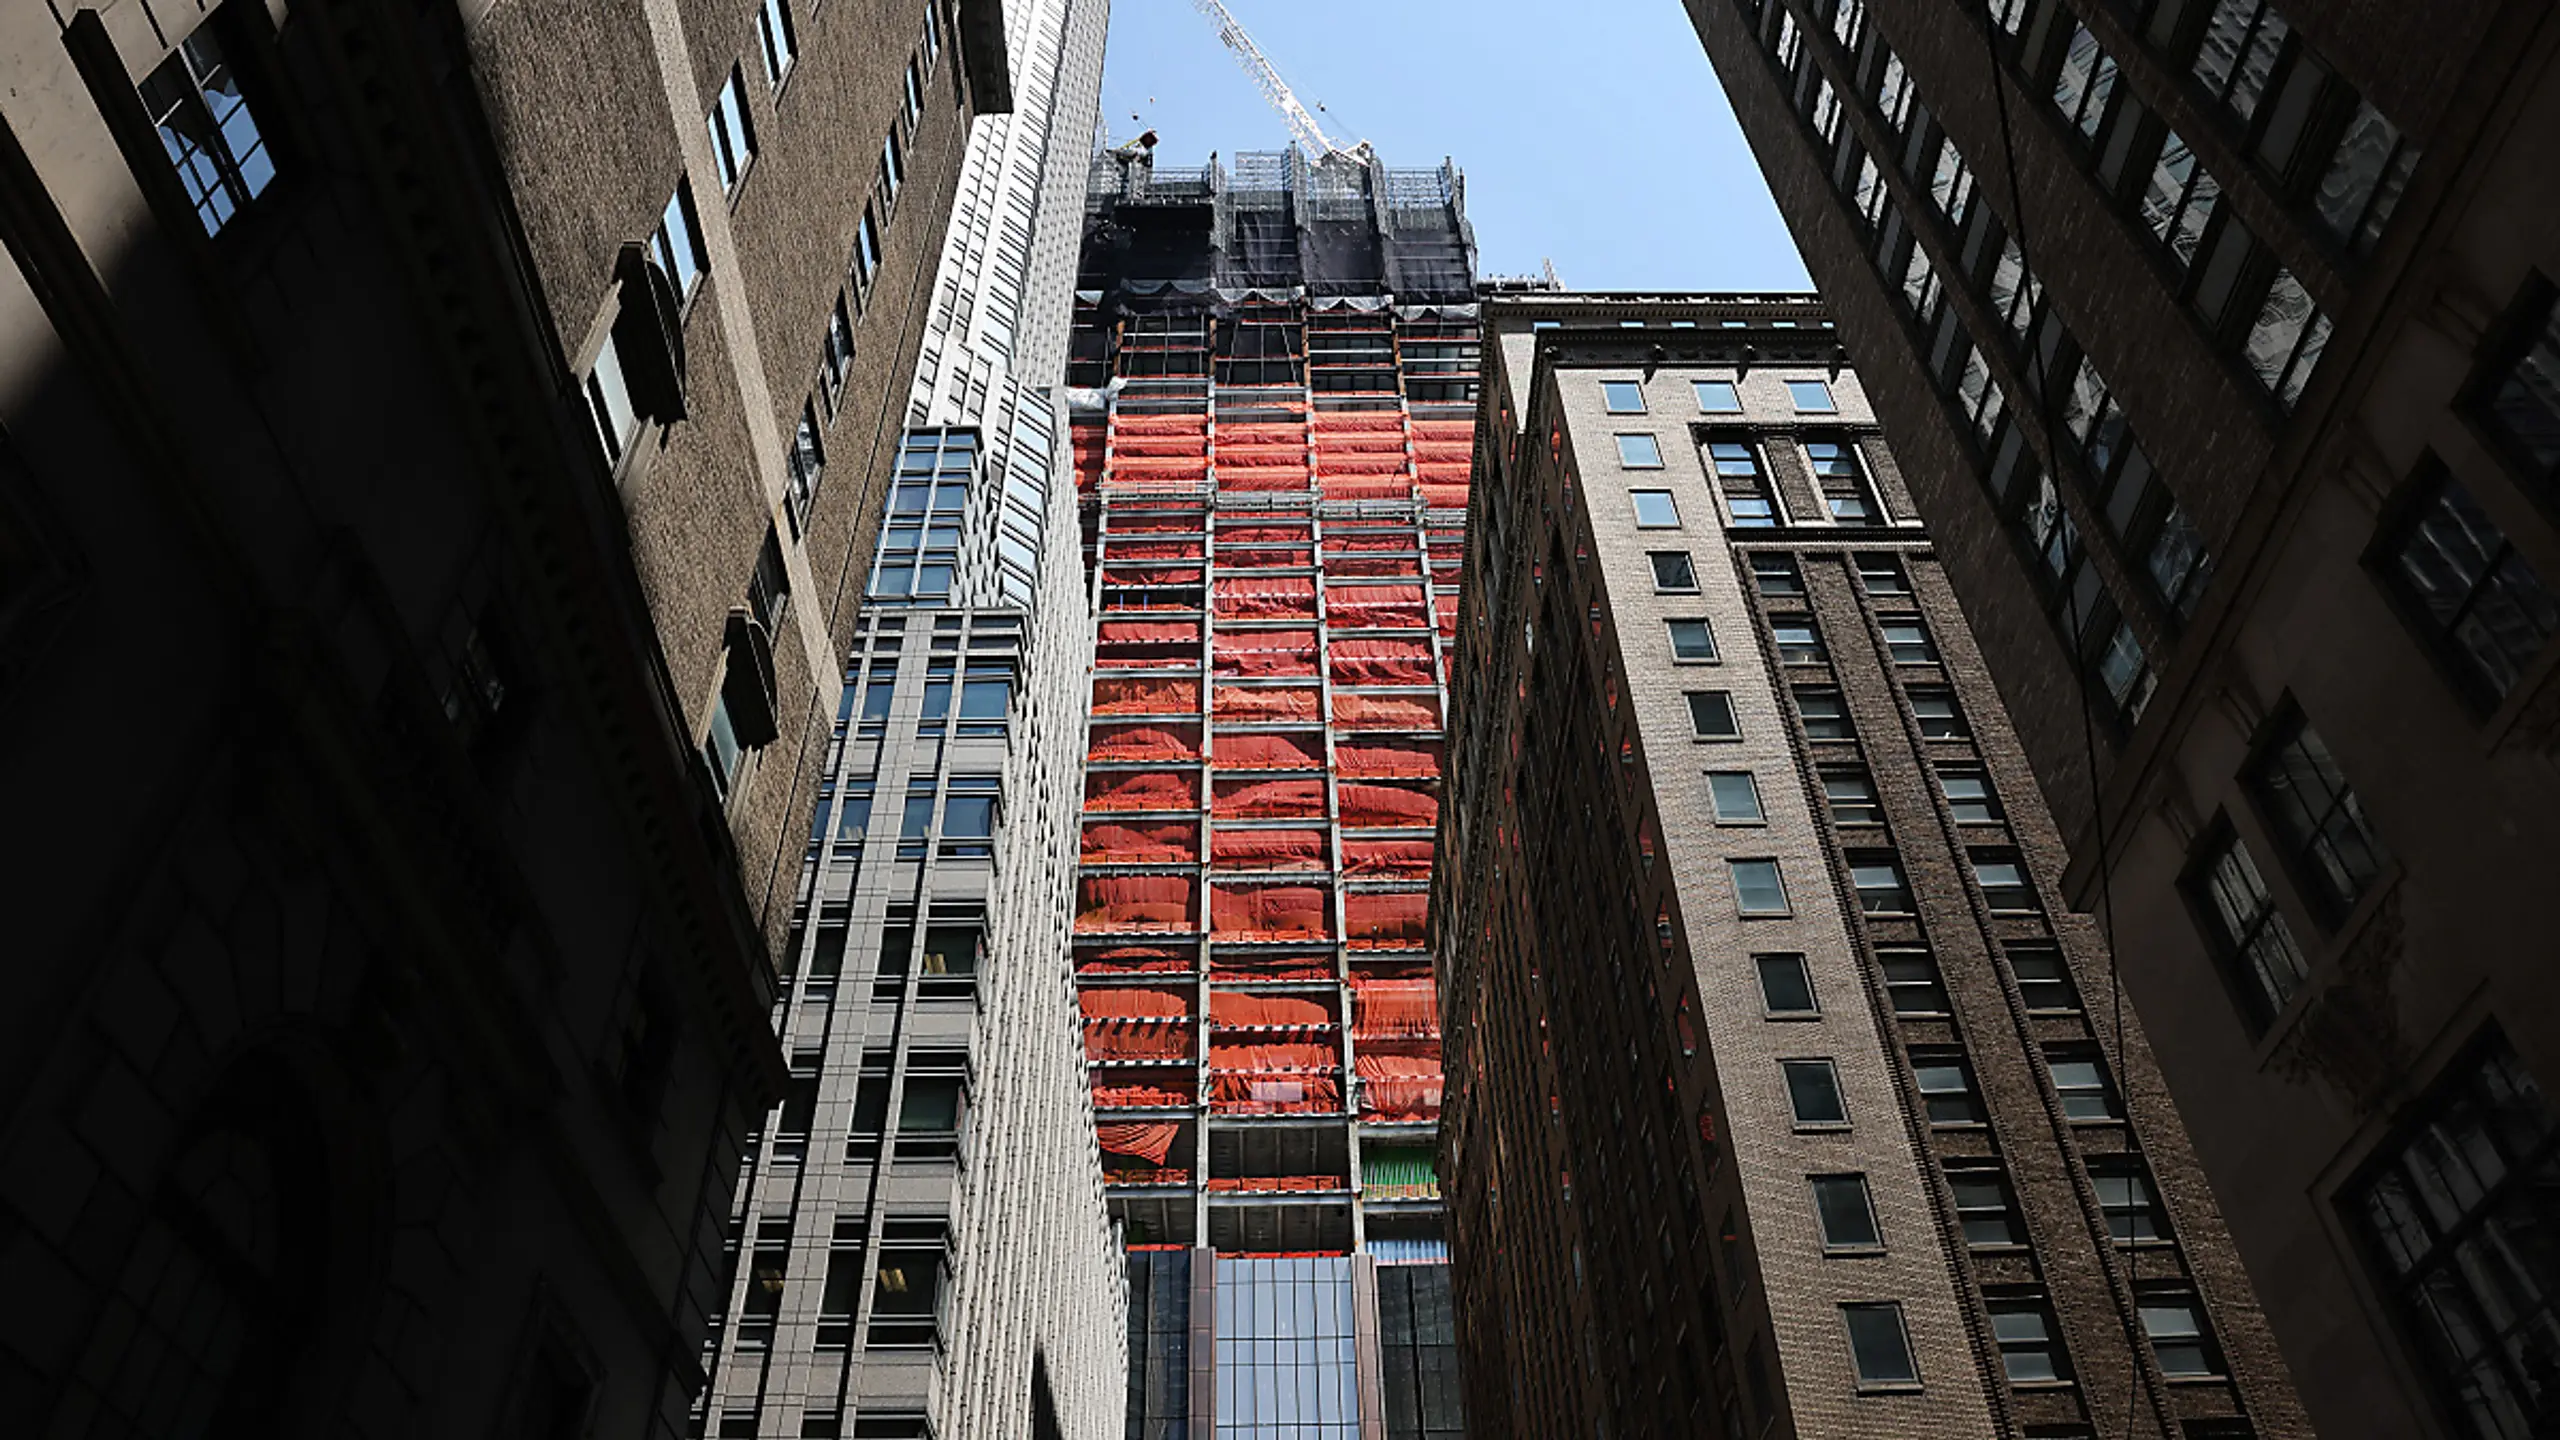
x,y
1302,124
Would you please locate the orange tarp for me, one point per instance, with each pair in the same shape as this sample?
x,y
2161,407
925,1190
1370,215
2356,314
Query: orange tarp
x,y
1233,1008
1265,652
1250,1094
1444,496
1148,1140
1146,697
1173,842
1148,633
1261,477
1140,790
1265,1184
1267,799
1399,1087
1358,420
1143,742
1150,577
1415,760
1136,902
1232,966
1267,849
1266,702
1386,805
1133,1002
1374,566
1292,596
1130,1097
1386,712
1233,534
1394,1009
1157,522
1341,540
1397,859
1257,750
1137,1039
1381,662
1115,549
1270,912
1376,607
1390,921
1131,960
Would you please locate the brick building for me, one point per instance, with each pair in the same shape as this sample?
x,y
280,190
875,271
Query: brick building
x,y
438,446
1826,1119
2218,338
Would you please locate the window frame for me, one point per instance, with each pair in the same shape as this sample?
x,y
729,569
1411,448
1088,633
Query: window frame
x,y
2435,494
1706,628
2333,895
1715,798
1698,392
1828,1069
1777,872
732,156
1688,562
1643,500
1698,730
1830,402
1840,1184
1763,962
1909,1379
1613,391
1634,458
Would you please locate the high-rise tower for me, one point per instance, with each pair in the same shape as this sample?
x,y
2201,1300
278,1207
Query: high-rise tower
x,y
1787,1096
1274,402
921,1241
2220,340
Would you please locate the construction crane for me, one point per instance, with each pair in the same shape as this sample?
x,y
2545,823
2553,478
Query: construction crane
x,y
1302,124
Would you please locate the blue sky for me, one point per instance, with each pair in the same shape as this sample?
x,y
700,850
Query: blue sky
x,y
1600,141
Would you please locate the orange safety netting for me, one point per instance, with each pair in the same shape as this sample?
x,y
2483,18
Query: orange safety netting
x,y
1343,540
1115,548
1339,421
1261,477
1136,902
1429,445
1444,496
1381,662
1158,522
1367,487
1267,849
1249,1094
1150,577
1244,703
1395,920
1127,441
1404,759
1275,1184
1292,596
1146,1175
1137,1039
1365,806
1256,750
1141,790
1267,799
1230,533
1386,712
1399,1087
1270,912
1264,652
1387,859
1143,742
1446,607
1140,1097
1146,697
1148,1140
1232,966
1376,607
1240,558
1131,469
1331,463
1234,1010
1376,567
1147,643
1172,842
1127,424
1133,1002
1394,1009
1131,960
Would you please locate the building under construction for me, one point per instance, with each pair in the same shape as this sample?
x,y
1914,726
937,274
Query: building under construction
x,y
1272,399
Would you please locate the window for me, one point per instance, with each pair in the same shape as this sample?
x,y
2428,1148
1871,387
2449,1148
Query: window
x,y
806,462
1939,718
1879,1348
2125,1196
1747,499
1655,510
1813,1093
2366,175
866,252
969,817
1882,575
2178,201
2285,342
1877,876
609,400
2030,1353
2456,1215
212,140
1757,887
2174,1321
2476,600
1969,796
1852,797
1786,986
1692,640
1825,714
916,823
1673,571
2312,809
2080,1075
1776,576
1985,1209
1799,641
1736,797
893,172
2003,880
1907,641
1812,397
2519,394
1623,397
914,95
721,749
1911,983
2245,926
733,137
773,27
677,245
1946,1087
906,1292
1711,715
2085,83
2125,672
2179,562
837,360
986,697
2044,979
2238,53
1639,452
1717,397
1845,1213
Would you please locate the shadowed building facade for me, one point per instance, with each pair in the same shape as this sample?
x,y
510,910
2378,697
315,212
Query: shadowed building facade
x,y
436,444
2219,339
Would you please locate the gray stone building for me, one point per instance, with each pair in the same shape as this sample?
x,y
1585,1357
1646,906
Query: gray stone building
x,y
2218,338
1787,1094
919,1241
437,446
